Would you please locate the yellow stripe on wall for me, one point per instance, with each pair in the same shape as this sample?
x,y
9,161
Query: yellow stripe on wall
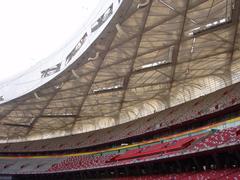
x,y
133,145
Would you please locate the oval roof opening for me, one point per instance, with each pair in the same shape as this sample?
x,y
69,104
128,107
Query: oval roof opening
x,y
32,30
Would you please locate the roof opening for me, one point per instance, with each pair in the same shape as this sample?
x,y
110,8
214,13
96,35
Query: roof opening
x,y
104,89
209,26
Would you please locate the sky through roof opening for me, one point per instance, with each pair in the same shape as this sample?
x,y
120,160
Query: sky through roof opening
x,y
32,30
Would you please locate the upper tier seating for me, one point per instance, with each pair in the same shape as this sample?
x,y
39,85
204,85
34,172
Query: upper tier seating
x,y
188,144
223,137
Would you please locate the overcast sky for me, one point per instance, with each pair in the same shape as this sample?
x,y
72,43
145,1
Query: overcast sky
x,y
30,30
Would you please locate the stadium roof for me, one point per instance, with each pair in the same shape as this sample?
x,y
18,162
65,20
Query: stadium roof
x,y
153,54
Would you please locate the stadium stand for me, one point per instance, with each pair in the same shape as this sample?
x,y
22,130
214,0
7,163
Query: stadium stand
x,y
172,148
191,144
209,174
163,76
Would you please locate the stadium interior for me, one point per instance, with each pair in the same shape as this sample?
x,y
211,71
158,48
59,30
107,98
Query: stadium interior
x,y
156,95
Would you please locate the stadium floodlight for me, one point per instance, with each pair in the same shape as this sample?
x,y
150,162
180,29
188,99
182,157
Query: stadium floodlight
x,y
145,66
209,26
107,88
161,62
